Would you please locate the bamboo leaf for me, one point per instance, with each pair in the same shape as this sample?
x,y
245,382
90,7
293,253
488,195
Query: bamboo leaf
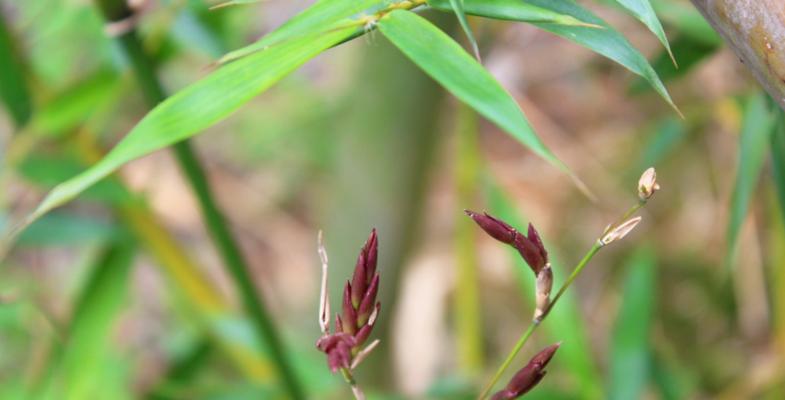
x,y
323,16
511,10
607,42
196,108
447,63
457,7
630,351
753,143
96,311
644,12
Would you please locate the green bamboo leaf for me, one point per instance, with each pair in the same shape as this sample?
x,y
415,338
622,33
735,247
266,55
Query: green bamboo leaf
x,y
196,108
323,16
630,350
103,297
687,20
690,53
13,88
644,12
511,10
607,42
753,142
457,7
447,63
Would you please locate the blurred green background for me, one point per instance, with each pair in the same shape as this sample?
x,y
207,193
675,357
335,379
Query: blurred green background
x,y
122,294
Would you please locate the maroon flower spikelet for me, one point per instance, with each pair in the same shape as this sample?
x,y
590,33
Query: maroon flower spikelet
x,y
359,310
529,246
529,376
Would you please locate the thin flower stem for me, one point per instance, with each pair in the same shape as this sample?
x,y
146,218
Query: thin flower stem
x,y
578,268
536,322
510,357
349,378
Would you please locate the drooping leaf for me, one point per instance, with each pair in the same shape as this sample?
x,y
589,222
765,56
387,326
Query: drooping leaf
x,y
688,51
446,62
687,20
607,42
457,7
511,10
630,349
753,142
644,12
323,16
196,108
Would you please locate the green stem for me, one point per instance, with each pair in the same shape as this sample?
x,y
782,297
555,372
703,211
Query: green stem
x,y
536,322
217,225
510,357
467,307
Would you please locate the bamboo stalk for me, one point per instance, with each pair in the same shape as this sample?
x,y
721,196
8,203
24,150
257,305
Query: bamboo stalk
x,y
116,11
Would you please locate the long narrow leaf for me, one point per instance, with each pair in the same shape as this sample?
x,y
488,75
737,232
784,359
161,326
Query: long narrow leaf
x,y
630,351
196,108
511,10
457,7
323,16
644,12
607,42
446,62
753,143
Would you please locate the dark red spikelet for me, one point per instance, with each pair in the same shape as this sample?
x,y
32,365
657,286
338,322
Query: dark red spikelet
x,y
338,348
534,237
358,310
349,316
366,306
530,247
371,250
497,228
529,376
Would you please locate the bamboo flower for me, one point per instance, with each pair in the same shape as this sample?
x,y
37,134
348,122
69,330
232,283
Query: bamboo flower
x,y
529,376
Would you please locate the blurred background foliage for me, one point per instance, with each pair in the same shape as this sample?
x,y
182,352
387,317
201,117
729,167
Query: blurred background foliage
x,y
121,294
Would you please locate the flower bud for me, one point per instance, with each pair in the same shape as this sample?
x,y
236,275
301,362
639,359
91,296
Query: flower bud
x,y
647,184
529,246
543,290
497,228
529,376
620,231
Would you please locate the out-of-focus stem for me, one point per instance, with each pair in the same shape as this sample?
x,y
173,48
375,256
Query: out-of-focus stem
x,y
217,225
467,302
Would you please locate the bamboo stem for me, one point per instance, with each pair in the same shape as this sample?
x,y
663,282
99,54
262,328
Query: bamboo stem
x,y
216,223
